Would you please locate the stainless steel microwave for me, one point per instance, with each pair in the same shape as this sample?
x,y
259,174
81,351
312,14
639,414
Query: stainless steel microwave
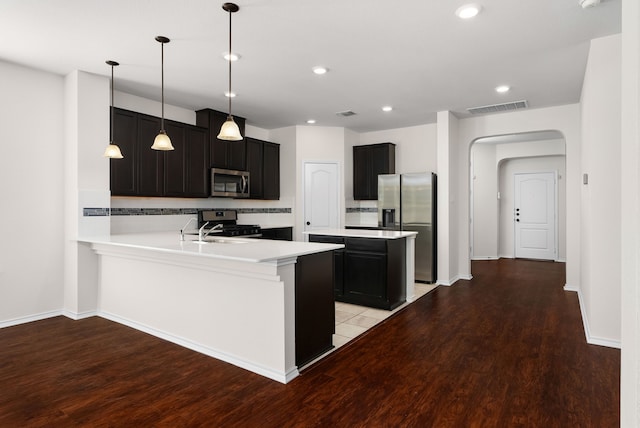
x,y
227,183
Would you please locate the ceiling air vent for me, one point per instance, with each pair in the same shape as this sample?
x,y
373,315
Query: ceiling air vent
x,y
495,108
346,113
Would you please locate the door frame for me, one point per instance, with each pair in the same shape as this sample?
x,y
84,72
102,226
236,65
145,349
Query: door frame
x,y
555,212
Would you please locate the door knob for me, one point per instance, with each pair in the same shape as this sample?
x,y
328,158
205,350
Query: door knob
x,y
517,219
308,223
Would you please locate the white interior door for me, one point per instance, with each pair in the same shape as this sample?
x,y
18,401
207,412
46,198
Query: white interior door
x,y
321,196
535,216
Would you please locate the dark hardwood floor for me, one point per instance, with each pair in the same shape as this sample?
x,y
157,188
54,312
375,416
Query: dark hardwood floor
x,y
506,349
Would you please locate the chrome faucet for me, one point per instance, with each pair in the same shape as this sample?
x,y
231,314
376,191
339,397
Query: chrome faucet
x,y
216,227
201,231
184,227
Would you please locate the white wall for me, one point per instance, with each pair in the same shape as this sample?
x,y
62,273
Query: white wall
x,y
86,185
31,190
485,201
415,146
601,199
448,246
630,215
566,120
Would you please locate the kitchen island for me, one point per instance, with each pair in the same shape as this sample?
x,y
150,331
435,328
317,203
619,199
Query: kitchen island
x,y
234,299
376,267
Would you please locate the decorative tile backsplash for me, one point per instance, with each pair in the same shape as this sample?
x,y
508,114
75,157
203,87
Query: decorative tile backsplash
x,y
361,210
95,212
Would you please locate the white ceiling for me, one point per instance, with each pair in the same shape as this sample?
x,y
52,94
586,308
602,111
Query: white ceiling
x,y
415,55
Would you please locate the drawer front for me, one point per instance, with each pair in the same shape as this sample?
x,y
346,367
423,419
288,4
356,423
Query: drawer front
x,y
326,239
371,245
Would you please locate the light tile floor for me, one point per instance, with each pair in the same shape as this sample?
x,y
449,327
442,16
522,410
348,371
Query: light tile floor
x,y
353,320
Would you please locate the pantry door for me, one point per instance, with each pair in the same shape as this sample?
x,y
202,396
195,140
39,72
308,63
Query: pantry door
x,y
321,196
535,216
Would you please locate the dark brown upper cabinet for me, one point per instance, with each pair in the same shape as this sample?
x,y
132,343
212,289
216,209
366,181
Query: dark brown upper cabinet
x,y
222,153
369,161
182,172
263,164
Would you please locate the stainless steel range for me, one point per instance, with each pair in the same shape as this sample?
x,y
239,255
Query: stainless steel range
x,y
225,222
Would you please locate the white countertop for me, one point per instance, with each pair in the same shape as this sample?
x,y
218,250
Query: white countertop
x,y
363,233
239,249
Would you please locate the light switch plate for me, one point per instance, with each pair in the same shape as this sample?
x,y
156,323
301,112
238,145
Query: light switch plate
x,y
585,178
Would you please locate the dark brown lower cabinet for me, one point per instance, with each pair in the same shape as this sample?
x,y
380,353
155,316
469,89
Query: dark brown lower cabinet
x,y
278,233
369,271
315,309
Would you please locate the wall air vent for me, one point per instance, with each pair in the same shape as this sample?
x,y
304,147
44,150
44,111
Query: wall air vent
x,y
346,113
495,108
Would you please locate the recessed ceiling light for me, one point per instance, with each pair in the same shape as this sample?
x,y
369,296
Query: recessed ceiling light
x,y
468,11
230,94
502,89
231,56
387,108
320,70
311,121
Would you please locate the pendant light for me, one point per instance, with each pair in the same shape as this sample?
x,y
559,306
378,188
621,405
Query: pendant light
x,y
162,140
229,130
112,151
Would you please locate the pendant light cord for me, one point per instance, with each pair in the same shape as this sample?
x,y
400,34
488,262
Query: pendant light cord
x,y
111,111
230,13
162,81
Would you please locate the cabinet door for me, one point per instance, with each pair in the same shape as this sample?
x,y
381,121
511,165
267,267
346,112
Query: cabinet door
x,y
123,176
314,306
380,164
222,154
365,277
236,150
338,274
361,168
197,163
255,167
271,174
174,160
150,162
368,162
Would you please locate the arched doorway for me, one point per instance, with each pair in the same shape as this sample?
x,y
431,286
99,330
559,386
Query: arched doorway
x,y
493,162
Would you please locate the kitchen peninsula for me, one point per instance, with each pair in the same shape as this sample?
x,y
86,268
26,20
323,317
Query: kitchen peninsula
x,y
233,299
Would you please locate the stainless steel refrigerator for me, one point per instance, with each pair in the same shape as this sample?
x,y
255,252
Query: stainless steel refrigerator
x,y
408,202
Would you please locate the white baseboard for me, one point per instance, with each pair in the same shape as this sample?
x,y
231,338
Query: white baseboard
x,y
568,287
79,315
485,258
30,318
453,280
282,377
593,340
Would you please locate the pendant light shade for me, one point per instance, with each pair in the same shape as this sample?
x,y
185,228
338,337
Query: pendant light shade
x,y
112,151
229,130
162,140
